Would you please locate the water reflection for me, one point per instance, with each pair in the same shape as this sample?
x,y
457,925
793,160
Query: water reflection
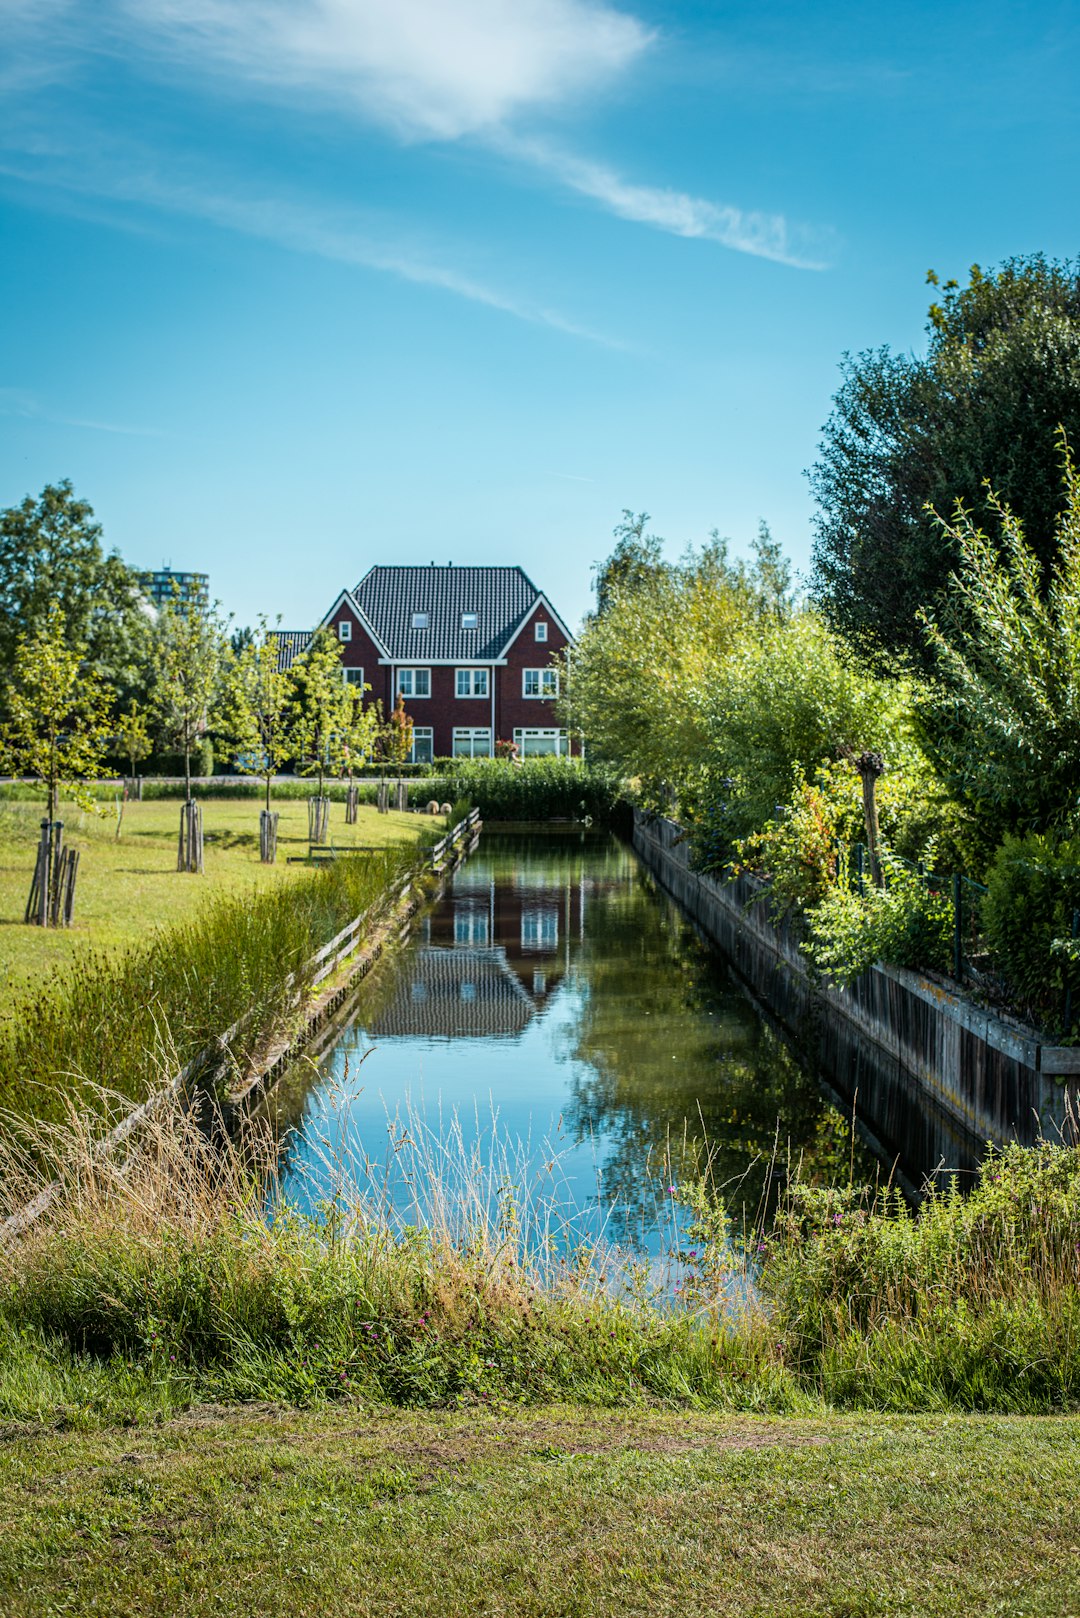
x,y
555,986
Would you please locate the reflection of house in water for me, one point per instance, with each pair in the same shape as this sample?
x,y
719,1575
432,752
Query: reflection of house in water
x,y
492,955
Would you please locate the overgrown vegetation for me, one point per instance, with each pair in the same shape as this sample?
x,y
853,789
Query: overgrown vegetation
x,y
542,788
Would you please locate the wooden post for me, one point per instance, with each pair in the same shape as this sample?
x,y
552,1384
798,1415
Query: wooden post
x,y
189,854
352,804
382,798
268,825
402,797
870,766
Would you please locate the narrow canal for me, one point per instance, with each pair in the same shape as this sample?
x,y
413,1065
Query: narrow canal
x,y
557,1003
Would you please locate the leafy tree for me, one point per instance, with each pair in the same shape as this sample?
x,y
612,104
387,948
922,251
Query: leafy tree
x,y
188,664
57,723
1003,722
638,684
51,553
131,734
256,715
361,730
636,560
397,738
909,433
320,707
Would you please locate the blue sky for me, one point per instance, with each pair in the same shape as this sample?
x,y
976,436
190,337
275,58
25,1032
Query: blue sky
x,y
291,287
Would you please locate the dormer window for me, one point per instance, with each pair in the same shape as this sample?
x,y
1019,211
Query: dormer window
x,y
541,629
344,629
468,620
419,620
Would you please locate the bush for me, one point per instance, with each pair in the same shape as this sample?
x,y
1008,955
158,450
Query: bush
x,y
908,922
1033,887
539,789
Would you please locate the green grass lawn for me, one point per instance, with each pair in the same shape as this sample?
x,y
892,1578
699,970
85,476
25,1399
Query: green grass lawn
x,y
545,1514
128,886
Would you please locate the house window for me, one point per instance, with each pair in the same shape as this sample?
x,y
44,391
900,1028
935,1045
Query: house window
x,y
541,629
470,926
353,676
531,743
468,620
472,682
423,745
540,682
419,620
344,629
414,682
540,927
471,743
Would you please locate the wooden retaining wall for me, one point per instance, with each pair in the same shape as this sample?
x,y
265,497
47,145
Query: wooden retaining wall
x,y
933,1076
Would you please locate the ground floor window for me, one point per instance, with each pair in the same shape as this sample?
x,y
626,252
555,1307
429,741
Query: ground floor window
x,y
532,742
540,927
423,746
471,743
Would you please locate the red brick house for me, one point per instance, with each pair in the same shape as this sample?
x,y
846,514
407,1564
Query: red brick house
x,y
471,649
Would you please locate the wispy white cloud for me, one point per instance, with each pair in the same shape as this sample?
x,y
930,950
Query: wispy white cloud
x,y
437,70
301,227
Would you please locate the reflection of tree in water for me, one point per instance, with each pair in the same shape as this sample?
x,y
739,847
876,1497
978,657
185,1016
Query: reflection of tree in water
x,y
680,1066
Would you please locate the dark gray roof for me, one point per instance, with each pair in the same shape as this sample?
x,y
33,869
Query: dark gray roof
x,y
457,993
500,597
292,643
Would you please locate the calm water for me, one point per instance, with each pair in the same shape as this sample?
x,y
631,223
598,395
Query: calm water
x,y
557,991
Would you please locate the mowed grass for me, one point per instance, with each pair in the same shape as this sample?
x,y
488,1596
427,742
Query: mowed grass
x,y
544,1513
129,886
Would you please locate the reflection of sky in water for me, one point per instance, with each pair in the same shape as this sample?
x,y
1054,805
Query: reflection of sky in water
x,y
555,1000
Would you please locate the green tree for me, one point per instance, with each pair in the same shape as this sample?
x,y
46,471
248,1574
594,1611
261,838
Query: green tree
x,y
361,729
256,703
51,553
131,733
636,560
909,433
397,735
1003,722
320,707
57,723
188,665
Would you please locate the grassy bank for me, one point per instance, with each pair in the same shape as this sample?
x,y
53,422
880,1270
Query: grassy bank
x,y
556,1511
115,1026
128,887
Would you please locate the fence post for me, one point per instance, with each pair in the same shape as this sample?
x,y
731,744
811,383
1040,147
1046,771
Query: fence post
x,y
958,928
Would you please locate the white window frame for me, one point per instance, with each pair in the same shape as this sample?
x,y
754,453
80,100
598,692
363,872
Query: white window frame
x,y
421,620
470,620
353,676
344,629
409,690
472,926
541,629
546,676
422,733
479,681
524,734
471,733
540,928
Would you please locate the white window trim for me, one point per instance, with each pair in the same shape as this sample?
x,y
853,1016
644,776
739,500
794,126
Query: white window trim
x,y
413,695
344,629
541,695
424,733
472,732
473,695
426,616
353,676
560,737
475,620
540,629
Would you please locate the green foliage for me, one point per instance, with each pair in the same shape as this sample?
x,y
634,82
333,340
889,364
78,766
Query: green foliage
x,y
970,1301
1004,723
549,788
908,922
57,724
639,681
255,714
131,737
320,711
1001,371
1033,887
188,663
51,554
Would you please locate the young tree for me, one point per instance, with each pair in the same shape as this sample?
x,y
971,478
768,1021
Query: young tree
x,y
397,735
257,707
188,664
51,553
908,433
1003,723
57,723
320,707
361,730
132,735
